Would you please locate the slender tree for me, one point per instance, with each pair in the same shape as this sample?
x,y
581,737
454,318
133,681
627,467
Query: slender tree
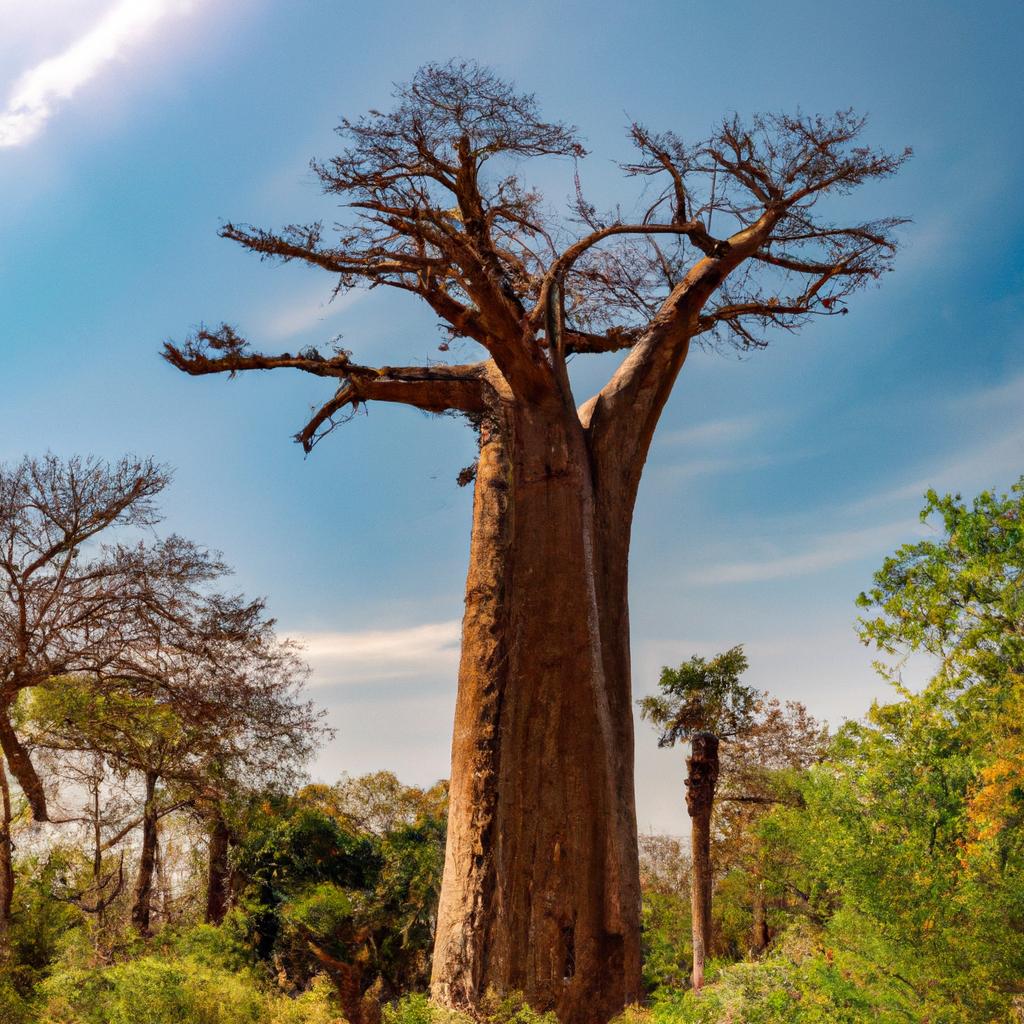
x,y
761,769
541,889
702,702
73,608
6,865
206,726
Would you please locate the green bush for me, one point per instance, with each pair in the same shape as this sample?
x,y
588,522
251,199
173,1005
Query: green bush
x,y
418,1009
804,981
13,1008
174,991
223,946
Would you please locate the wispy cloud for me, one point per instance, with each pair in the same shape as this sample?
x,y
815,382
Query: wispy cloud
x,y
715,432
40,90
678,472
307,313
825,552
427,650
995,457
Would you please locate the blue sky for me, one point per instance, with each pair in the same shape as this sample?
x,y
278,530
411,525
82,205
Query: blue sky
x,y
130,130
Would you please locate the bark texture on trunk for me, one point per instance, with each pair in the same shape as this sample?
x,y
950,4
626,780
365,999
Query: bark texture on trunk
x,y
218,875
759,936
541,885
147,859
701,778
21,766
6,866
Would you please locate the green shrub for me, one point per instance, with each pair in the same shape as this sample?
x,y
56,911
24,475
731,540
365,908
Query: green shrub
x,y
175,991
314,1006
514,1010
13,1008
418,1009
222,946
804,981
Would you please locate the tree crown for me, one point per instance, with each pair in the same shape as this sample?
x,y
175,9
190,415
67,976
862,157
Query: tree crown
x,y
433,204
703,696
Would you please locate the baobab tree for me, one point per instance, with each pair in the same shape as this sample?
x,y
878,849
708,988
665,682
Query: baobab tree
x,y
702,703
541,886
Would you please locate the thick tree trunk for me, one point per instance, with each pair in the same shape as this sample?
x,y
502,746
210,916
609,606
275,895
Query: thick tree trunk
x,y
701,778
21,765
6,866
541,883
218,870
759,935
147,859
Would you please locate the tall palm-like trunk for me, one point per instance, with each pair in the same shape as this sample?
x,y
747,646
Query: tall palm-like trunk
x,y
147,859
541,884
701,778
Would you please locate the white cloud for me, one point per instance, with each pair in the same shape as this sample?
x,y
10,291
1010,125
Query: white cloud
x,y
724,431
427,650
676,473
996,459
307,313
1009,393
827,552
40,90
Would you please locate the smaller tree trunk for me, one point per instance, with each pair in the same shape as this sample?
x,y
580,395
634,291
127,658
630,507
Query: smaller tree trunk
x,y
759,936
147,859
21,765
97,858
701,778
218,876
6,868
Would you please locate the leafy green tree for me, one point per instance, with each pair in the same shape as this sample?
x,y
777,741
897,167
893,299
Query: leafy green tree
x,y
702,702
761,768
956,750
322,893
960,597
194,734
908,850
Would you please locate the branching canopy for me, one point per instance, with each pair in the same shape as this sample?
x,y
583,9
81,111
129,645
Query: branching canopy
x,y
140,618
727,242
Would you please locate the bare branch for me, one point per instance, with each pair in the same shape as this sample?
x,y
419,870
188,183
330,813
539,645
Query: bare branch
x,y
438,388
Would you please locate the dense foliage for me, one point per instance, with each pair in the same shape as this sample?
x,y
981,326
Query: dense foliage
x,y
876,875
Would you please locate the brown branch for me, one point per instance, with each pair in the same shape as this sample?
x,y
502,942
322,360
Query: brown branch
x,y
439,388
426,388
132,825
693,229
613,340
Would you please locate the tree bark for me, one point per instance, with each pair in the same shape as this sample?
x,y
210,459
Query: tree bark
x,y
759,936
701,778
218,871
6,867
541,884
147,859
21,765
